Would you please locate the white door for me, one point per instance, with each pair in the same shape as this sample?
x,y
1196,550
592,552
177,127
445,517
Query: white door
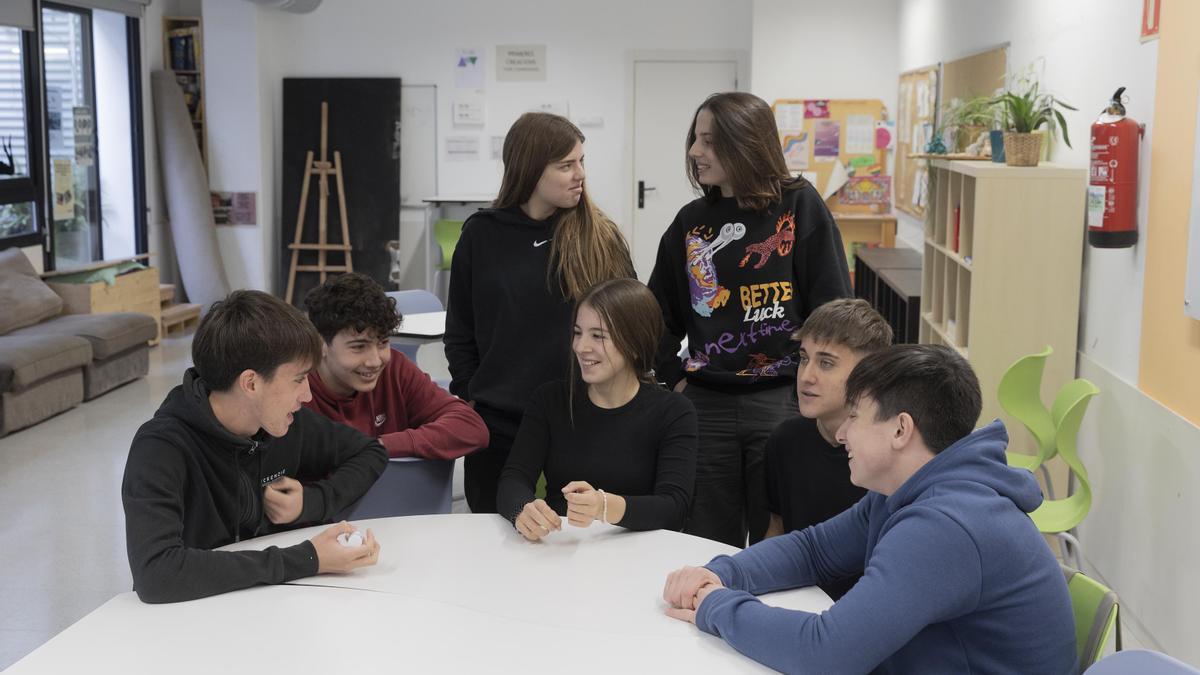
x,y
665,96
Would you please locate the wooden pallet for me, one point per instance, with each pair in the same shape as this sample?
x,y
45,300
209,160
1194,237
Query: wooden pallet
x,y
182,317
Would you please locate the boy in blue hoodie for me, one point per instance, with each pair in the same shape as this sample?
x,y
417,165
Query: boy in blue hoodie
x,y
956,578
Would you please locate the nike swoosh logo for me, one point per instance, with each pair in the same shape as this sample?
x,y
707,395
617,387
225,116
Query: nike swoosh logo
x,y
539,243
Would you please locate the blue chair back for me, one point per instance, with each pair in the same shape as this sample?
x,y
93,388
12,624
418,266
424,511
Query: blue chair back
x,y
408,487
1140,662
416,301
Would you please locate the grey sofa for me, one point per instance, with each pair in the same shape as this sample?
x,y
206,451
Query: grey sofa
x,y
50,362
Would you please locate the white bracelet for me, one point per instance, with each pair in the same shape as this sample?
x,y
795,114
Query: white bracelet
x,y
604,516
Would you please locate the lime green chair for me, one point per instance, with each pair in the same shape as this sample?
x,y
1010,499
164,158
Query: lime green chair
x,y
446,234
1096,612
1020,394
1060,516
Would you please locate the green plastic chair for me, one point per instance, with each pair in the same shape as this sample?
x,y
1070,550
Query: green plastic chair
x,y
446,234
1060,516
1020,394
1096,610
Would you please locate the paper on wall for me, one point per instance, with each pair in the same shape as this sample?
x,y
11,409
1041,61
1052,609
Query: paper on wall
x,y
795,150
462,148
826,141
885,135
836,180
789,117
469,68
860,134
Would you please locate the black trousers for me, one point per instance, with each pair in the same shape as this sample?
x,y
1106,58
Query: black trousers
x,y
730,500
481,469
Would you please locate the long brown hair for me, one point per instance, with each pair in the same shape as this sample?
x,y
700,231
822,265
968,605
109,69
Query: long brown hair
x,y
634,322
746,142
587,247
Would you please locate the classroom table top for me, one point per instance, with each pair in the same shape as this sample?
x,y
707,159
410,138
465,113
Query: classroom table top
x,y
451,593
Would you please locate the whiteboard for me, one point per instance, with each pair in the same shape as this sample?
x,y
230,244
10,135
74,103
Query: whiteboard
x,y
1191,293
418,143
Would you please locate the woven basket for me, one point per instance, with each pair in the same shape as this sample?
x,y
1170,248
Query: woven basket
x,y
1022,149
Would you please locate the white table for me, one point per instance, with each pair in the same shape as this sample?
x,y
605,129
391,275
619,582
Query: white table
x,y
422,326
451,593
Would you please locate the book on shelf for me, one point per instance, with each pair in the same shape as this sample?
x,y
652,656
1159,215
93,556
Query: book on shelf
x,y
184,47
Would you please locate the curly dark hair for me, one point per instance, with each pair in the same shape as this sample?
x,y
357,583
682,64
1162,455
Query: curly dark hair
x,y
351,301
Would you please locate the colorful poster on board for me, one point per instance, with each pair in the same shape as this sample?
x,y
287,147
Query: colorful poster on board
x,y
816,109
827,135
867,190
795,151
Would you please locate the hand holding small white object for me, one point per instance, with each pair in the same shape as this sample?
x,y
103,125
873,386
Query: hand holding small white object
x,y
537,520
343,547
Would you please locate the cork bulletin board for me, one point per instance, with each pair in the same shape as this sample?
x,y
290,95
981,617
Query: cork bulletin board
x,y
819,135
916,118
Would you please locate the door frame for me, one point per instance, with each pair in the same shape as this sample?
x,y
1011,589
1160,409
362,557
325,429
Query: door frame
x,y
632,58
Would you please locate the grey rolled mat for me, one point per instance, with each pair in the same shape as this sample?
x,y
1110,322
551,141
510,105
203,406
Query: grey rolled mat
x,y
185,186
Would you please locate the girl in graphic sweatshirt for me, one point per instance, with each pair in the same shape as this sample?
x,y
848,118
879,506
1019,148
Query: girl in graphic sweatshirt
x,y
738,272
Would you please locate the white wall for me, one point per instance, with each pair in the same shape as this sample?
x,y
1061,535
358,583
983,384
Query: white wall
x,y
586,47
816,49
234,98
1134,538
1089,47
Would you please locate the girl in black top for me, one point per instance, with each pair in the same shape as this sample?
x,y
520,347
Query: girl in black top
x,y
737,272
619,448
517,271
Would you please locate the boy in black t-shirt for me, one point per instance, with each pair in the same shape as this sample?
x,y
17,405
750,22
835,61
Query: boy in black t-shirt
x,y
808,478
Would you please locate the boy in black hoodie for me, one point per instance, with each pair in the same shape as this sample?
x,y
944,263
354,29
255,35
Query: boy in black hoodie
x,y
231,454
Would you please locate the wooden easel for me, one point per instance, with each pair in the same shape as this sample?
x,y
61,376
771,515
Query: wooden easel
x,y
323,169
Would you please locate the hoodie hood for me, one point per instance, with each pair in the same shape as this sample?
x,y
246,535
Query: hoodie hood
x,y
975,460
189,404
515,216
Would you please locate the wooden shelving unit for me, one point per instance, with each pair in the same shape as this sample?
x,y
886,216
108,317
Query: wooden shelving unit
x,y
183,53
1001,271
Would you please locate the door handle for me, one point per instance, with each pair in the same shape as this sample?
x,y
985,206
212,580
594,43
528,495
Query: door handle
x,y
642,190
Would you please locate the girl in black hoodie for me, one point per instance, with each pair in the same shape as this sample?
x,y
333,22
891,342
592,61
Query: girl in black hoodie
x,y
517,271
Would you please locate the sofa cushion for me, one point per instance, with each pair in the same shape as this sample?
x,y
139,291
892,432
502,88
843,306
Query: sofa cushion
x,y
26,299
28,359
110,334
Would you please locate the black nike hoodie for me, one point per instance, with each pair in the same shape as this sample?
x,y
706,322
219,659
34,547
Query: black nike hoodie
x,y
508,329
191,485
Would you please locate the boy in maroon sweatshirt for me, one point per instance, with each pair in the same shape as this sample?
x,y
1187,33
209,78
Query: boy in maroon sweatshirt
x,y
363,383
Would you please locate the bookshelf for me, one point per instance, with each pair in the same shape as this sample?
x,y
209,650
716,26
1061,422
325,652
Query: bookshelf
x,y
1001,271
183,53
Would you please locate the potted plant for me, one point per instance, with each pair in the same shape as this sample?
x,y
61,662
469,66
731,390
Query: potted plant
x,y
964,119
1026,113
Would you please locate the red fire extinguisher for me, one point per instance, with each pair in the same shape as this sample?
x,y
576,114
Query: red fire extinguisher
x,y
1112,184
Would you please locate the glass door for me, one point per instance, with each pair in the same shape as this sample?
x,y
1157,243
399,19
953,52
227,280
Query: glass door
x,y
71,129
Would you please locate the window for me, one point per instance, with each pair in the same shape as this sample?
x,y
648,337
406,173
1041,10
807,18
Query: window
x,y
90,65
71,136
18,190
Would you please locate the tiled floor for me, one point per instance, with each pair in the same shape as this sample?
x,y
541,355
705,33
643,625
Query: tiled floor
x,y
62,530
60,492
